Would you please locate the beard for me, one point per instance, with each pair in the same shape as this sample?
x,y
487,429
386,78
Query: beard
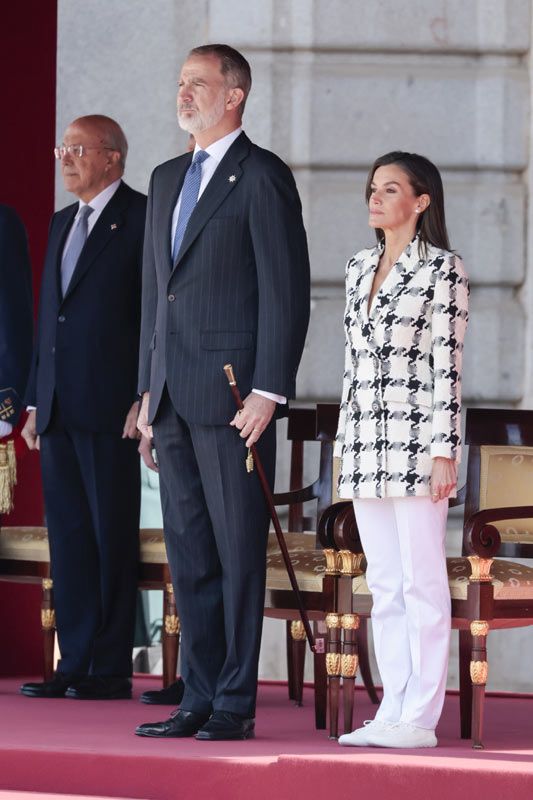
x,y
195,122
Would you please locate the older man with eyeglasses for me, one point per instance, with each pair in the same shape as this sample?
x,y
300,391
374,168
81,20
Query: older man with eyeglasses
x,y
83,389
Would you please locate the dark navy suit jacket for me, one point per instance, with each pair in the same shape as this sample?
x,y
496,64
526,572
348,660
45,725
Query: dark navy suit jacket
x,y
87,344
239,291
16,314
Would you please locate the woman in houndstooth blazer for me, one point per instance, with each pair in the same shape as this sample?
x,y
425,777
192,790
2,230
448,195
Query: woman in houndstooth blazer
x,y
399,437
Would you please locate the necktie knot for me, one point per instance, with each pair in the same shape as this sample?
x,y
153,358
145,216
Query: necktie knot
x,y
84,213
200,157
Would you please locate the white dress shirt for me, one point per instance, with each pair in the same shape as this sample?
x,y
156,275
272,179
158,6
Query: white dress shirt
x,y
98,204
5,428
216,153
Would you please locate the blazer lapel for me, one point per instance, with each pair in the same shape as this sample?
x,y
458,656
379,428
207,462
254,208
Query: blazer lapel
x,y
360,292
224,180
106,227
398,278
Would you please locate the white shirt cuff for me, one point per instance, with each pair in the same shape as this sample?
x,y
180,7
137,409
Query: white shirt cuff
x,y
278,398
5,428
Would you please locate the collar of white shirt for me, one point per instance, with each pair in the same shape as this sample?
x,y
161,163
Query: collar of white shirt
x,y
218,149
98,203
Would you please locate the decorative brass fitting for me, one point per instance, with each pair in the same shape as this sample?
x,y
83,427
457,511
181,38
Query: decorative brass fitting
x,y
480,569
172,624
48,619
479,671
297,630
333,664
349,665
350,622
478,627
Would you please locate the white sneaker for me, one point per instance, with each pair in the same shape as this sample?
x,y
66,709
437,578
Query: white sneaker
x,y
359,737
402,735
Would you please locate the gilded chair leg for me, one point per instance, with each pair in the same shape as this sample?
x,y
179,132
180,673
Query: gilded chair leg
x,y
333,668
48,625
170,636
478,674
349,664
465,683
296,644
321,679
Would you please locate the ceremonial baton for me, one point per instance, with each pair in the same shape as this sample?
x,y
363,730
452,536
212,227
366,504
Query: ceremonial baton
x,y
253,458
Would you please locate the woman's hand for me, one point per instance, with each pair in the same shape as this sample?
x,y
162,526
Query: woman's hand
x,y
443,478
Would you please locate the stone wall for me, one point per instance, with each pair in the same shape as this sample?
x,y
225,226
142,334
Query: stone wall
x,y
336,83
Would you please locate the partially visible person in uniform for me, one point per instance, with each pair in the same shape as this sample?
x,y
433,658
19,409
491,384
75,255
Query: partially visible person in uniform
x,y
83,384
16,325
399,437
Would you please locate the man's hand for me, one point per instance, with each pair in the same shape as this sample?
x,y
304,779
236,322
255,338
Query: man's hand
x,y
254,417
142,419
146,453
130,426
443,478
29,432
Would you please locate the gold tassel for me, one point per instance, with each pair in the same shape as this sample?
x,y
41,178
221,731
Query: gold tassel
x,y
12,462
6,493
249,461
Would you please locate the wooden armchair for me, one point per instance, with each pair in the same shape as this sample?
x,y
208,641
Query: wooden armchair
x,y
316,578
25,557
486,593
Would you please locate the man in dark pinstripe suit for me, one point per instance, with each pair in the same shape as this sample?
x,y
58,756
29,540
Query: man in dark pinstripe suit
x,y
226,279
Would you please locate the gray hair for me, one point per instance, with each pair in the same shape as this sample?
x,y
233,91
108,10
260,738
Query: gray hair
x,y
233,66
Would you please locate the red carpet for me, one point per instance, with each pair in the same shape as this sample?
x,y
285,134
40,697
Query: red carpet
x,y
88,748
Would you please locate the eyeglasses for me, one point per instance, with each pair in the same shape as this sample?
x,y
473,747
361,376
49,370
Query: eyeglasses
x,y
76,150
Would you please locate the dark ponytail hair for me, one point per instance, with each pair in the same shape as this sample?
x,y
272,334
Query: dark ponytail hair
x,y
425,178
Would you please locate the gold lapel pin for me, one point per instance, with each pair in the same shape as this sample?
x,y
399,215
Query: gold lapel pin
x,y
232,178
114,226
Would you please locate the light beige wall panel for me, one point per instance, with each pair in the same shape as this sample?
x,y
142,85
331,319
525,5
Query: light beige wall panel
x,y
416,25
454,110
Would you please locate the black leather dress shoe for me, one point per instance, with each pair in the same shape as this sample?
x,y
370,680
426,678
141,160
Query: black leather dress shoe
x,y
57,687
224,726
101,687
171,696
180,725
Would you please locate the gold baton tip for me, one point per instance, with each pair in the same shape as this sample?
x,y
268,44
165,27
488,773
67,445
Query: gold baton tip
x,y
228,369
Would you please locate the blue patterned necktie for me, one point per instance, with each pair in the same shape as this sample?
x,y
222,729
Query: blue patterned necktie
x,y
75,246
189,198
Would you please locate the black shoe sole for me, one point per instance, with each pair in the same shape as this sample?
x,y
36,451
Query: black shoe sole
x,y
117,696
164,735
229,737
44,696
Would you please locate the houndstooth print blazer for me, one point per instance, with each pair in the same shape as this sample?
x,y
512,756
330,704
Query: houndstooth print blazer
x,y
401,398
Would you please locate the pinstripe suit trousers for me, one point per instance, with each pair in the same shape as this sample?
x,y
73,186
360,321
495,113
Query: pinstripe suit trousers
x,y
216,526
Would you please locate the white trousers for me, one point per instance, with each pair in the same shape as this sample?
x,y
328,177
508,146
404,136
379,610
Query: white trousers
x,y
403,539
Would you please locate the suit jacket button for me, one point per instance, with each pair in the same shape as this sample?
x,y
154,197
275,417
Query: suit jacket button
x,y
53,350
171,298
61,318
375,406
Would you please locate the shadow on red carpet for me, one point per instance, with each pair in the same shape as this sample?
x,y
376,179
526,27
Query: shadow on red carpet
x,y
89,748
